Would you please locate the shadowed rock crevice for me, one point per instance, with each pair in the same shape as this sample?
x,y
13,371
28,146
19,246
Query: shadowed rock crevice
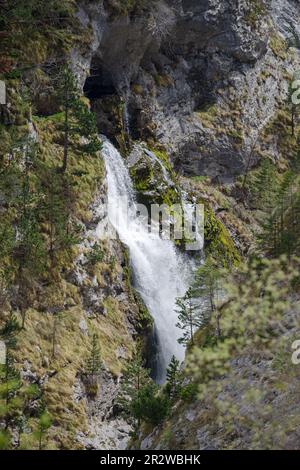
x,y
100,83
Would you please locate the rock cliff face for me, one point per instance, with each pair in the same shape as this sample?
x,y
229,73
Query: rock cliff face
x,y
203,78
196,86
93,295
207,82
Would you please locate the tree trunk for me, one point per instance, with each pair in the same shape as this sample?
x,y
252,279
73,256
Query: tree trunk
x,y
191,326
218,327
40,440
66,135
293,120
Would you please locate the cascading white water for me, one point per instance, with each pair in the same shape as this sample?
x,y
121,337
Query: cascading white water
x,y
161,274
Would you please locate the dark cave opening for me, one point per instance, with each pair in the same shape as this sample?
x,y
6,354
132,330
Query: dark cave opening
x,y
95,87
99,84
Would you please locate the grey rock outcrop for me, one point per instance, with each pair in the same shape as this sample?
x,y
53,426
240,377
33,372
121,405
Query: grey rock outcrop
x,y
203,78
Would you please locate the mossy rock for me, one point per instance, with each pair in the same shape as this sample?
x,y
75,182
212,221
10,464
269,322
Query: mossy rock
x,y
142,176
278,46
279,131
123,7
218,242
154,178
256,11
145,320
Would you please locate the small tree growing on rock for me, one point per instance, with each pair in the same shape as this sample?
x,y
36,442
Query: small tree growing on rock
x,y
174,381
149,405
44,424
93,367
207,286
190,317
135,377
77,118
10,382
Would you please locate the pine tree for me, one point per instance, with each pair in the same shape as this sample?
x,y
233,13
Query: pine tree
x,y
174,381
190,317
135,377
265,185
94,363
78,120
7,242
208,289
9,376
44,423
87,128
55,213
93,368
29,249
68,94
150,406
9,332
280,227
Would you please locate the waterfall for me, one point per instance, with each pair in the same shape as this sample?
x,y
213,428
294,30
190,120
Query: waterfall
x,y
161,274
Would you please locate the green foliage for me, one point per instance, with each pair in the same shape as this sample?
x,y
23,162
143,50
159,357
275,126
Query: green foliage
x,y
124,7
38,226
135,379
40,207
174,379
28,249
96,255
252,315
256,10
218,242
149,406
11,402
135,376
7,238
78,120
44,423
142,177
94,362
190,317
265,185
9,331
208,287
54,211
280,227
5,439
244,380
93,368
189,392
86,128
32,392
32,29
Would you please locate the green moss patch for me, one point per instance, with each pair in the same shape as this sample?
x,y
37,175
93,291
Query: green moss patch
x,y
218,241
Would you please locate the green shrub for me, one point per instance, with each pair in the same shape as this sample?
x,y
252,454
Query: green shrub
x,y
149,406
